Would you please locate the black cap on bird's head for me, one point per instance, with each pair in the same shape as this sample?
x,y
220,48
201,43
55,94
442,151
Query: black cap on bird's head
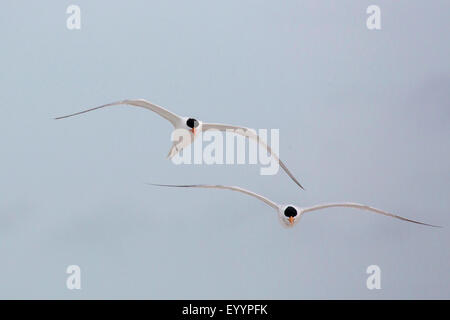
x,y
192,123
290,213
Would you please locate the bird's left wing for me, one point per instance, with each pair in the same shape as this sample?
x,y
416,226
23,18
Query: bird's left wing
x,y
251,134
363,207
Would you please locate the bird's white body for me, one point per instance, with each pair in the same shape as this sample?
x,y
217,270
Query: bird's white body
x,y
185,136
285,220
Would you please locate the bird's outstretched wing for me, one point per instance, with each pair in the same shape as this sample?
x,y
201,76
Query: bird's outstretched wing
x,y
233,188
251,134
363,207
166,114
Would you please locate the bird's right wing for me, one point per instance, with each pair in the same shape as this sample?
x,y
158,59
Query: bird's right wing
x,y
166,114
251,134
233,188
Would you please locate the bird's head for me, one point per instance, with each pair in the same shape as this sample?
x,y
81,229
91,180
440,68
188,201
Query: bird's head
x,y
193,125
289,215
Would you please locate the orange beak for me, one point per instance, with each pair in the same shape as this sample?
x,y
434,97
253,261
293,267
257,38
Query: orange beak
x,y
193,130
291,220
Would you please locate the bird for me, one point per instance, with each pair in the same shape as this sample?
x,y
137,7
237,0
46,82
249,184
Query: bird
x,y
192,127
288,214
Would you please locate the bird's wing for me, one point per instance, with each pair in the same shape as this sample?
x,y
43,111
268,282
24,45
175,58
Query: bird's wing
x,y
233,188
363,207
251,134
170,116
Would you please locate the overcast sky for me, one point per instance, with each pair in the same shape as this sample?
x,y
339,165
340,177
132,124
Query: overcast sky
x,y
363,117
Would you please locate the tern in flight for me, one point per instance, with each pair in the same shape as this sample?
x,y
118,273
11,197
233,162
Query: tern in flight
x,y
288,214
193,126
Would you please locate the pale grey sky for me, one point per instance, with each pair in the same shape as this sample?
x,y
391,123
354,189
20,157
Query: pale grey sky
x,y
363,117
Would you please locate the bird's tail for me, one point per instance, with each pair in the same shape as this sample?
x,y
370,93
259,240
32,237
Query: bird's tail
x,y
173,151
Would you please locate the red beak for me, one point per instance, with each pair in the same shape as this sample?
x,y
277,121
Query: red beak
x,y
291,220
193,130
